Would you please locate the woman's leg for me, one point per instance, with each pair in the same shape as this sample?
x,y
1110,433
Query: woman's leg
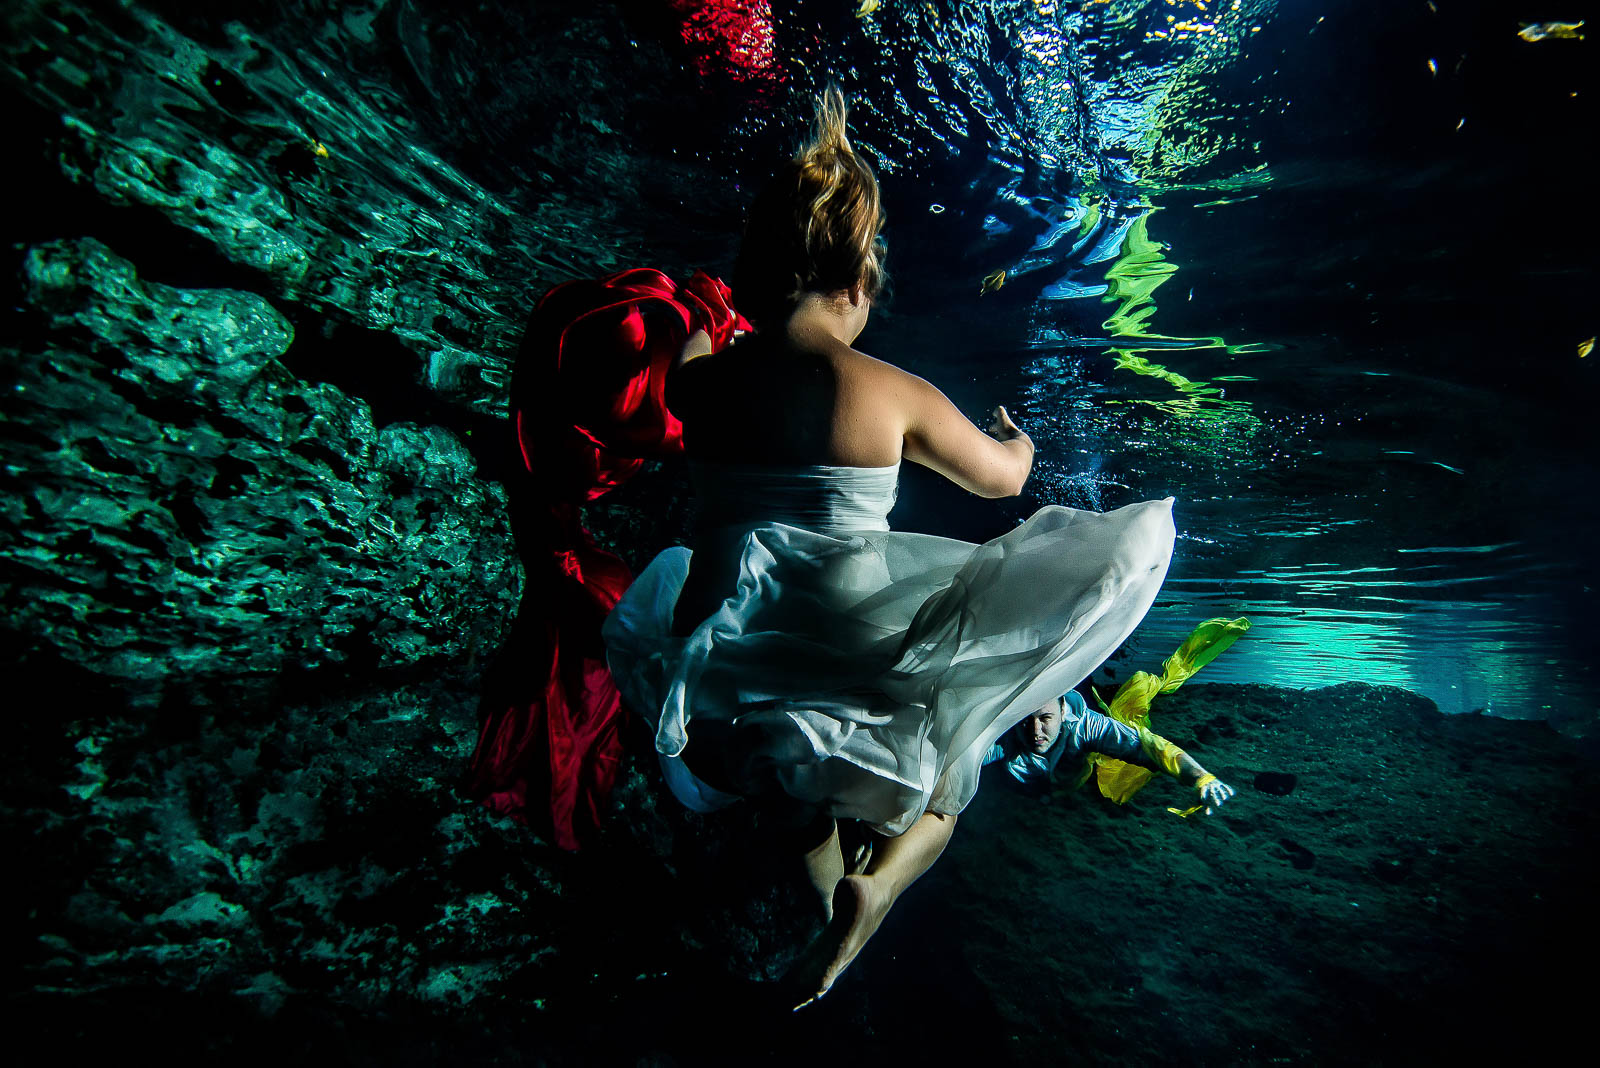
x,y
860,903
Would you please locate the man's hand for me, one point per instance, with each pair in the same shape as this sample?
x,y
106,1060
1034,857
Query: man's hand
x,y
1214,793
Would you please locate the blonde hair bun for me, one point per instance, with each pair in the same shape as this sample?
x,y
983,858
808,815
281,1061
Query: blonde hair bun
x,y
828,132
816,226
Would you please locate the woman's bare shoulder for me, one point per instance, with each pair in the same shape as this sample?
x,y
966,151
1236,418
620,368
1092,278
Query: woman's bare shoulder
x,y
871,372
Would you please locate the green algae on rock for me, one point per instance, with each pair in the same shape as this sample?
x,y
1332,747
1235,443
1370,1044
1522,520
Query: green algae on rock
x,y
181,511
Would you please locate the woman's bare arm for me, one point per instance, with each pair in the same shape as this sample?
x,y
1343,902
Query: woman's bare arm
x,y
938,436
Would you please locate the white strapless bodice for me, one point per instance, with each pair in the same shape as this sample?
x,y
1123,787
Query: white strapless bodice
x,y
821,498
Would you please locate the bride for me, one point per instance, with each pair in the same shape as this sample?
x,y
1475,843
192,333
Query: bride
x,y
803,656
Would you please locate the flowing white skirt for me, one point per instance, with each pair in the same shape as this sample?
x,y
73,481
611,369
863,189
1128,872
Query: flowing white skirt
x,y
870,673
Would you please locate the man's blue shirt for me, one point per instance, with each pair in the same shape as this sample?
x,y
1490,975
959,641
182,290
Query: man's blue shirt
x,y
1083,731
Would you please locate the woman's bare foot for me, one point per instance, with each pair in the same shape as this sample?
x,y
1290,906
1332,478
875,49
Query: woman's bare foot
x,y
859,905
862,899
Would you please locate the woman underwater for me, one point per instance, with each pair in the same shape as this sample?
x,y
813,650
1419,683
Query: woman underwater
x,y
803,656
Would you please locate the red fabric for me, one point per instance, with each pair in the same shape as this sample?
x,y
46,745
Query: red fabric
x,y
588,407
733,37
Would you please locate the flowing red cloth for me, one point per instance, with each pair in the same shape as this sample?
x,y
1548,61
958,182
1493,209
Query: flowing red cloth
x,y
588,407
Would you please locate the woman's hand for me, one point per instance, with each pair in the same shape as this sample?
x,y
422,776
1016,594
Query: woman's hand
x,y
1002,428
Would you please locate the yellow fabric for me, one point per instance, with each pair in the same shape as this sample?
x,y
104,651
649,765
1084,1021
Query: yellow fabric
x,y
1160,750
1119,780
1199,784
1209,641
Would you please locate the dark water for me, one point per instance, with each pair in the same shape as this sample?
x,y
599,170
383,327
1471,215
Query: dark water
x,y
1320,271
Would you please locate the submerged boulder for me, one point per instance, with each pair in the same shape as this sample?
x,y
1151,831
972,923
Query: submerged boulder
x,y
181,511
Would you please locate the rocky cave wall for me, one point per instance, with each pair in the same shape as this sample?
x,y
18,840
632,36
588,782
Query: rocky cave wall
x,y
255,546
254,550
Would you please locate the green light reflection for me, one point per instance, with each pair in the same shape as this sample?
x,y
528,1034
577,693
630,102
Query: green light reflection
x,y
1139,270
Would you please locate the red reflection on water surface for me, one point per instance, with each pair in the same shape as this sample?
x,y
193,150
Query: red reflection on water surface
x,y
731,37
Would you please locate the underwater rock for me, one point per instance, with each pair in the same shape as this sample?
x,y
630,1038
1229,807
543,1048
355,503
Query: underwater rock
x,y
318,857
328,165
1301,857
1393,870
1421,859
310,880
182,512
745,904
1277,783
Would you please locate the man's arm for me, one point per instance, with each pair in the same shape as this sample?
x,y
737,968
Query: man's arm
x,y
1213,791
1099,733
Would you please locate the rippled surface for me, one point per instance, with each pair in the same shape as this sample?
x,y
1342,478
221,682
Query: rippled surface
x,y
1314,270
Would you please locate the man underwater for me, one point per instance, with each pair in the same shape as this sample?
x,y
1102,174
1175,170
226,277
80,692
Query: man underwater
x,y
1067,726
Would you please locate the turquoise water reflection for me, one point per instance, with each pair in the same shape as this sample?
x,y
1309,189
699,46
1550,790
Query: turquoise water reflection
x,y
1292,511
1497,654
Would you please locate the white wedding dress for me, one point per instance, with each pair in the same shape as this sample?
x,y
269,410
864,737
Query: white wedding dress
x,y
867,670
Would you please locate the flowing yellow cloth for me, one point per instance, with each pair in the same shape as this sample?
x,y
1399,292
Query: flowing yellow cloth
x,y
1119,780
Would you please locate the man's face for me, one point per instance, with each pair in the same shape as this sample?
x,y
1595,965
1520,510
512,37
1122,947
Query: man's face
x,y
1040,729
